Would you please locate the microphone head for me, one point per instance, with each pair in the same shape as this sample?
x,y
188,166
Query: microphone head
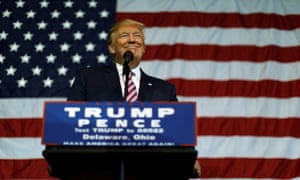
x,y
127,56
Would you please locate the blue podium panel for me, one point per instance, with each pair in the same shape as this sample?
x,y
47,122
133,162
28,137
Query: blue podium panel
x,y
119,124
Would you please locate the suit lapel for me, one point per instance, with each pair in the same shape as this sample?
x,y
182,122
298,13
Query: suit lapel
x,y
113,83
146,88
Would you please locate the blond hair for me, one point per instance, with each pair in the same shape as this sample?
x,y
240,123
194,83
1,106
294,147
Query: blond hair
x,y
117,25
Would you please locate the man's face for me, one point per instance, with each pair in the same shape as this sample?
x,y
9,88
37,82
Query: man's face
x,y
128,38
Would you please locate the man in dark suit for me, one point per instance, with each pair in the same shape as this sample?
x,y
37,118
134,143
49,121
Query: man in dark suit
x,y
107,82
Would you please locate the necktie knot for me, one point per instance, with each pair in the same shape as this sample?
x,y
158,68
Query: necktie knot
x,y
130,74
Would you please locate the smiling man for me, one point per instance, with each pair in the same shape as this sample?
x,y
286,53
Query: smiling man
x,y
108,82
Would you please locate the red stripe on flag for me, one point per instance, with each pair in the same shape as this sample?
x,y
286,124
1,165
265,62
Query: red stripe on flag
x,y
226,20
21,127
256,126
237,88
22,169
222,53
249,168
206,126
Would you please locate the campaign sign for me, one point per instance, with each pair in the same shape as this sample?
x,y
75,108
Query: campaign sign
x,y
119,124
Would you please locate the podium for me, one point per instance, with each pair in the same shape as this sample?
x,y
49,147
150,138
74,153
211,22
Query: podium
x,y
88,141
120,163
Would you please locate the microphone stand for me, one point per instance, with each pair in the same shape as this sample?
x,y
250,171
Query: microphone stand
x,y
126,71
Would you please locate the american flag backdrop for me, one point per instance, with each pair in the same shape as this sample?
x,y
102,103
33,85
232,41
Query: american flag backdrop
x,y
237,59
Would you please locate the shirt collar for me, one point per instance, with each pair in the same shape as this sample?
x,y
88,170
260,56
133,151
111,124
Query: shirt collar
x,y
136,71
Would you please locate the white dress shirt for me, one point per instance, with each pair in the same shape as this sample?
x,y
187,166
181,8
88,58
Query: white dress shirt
x,y
136,77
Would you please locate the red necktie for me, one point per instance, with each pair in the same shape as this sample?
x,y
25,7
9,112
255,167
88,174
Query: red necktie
x,y
132,92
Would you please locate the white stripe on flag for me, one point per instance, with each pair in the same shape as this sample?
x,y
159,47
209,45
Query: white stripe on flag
x,y
206,107
223,70
222,36
24,107
248,147
251,147
245,107
21,148
210,6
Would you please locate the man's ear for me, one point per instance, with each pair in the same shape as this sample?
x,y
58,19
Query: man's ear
x,y
111,49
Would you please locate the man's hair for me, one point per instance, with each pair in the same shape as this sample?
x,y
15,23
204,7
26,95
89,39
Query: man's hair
x,y
121,23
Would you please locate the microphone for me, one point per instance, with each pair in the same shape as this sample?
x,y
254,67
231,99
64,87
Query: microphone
x,y
127,56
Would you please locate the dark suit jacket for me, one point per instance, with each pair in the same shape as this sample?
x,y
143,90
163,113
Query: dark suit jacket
x,y
102,83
